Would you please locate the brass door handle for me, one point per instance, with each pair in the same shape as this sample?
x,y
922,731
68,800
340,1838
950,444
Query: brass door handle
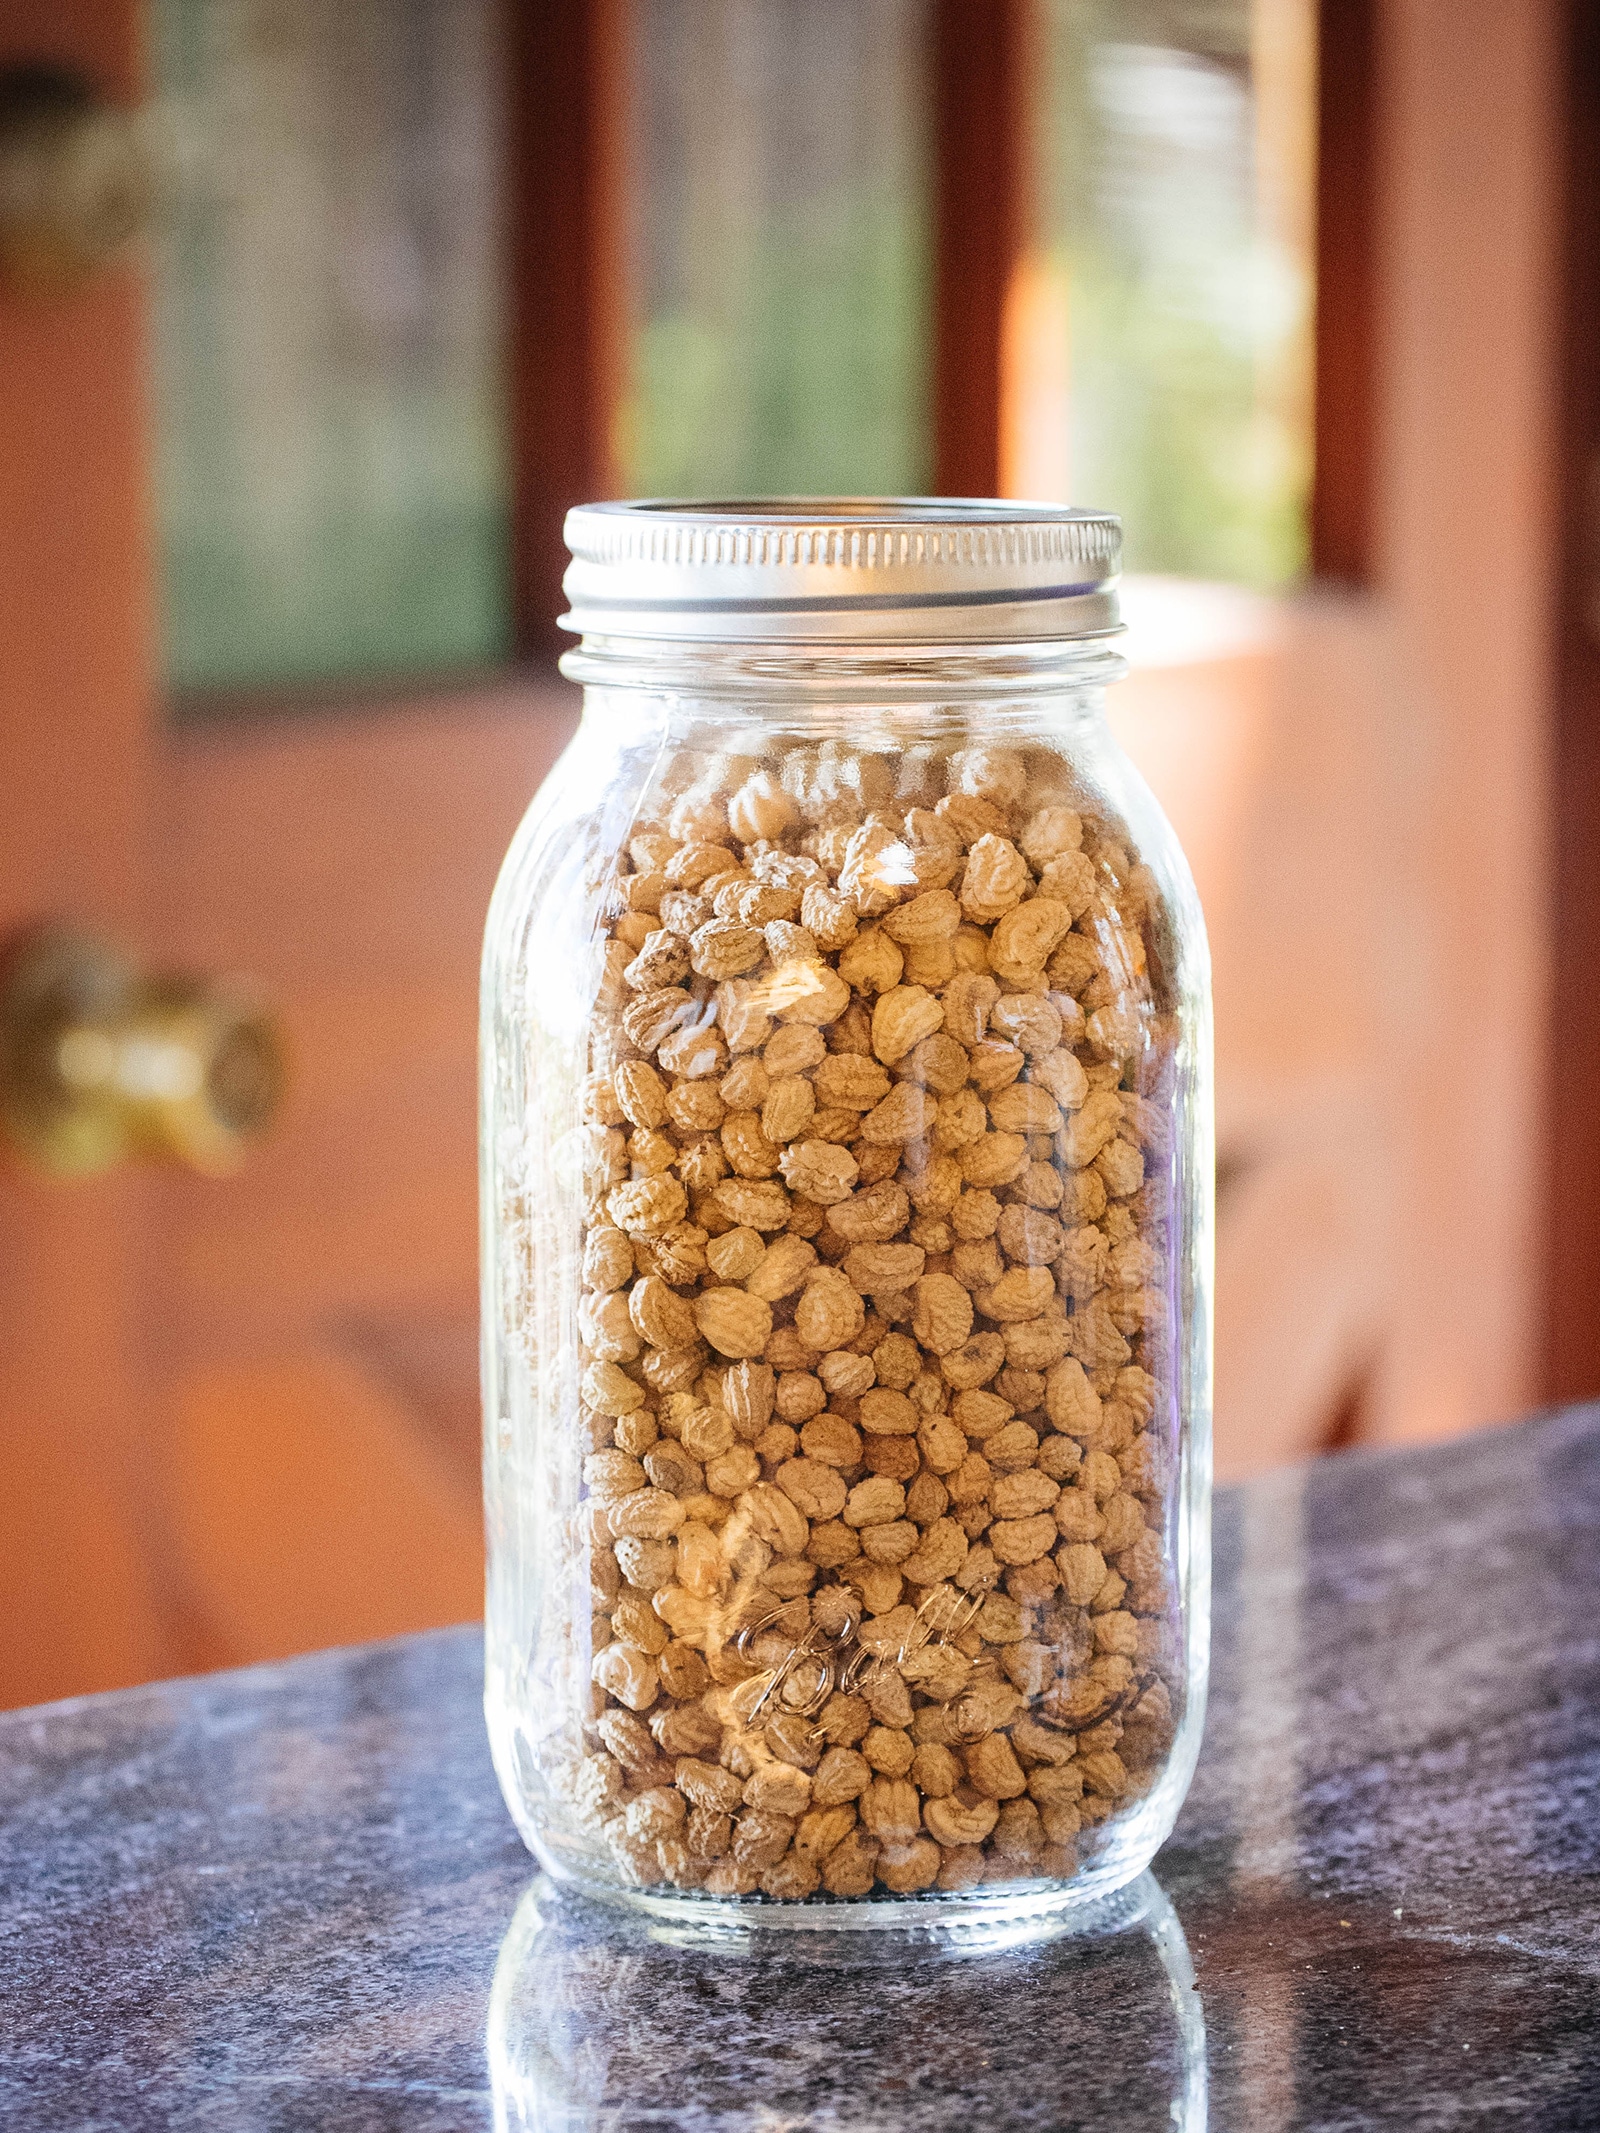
x,y
100,1063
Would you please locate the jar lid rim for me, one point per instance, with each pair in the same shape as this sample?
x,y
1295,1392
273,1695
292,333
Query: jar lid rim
x,y
808,569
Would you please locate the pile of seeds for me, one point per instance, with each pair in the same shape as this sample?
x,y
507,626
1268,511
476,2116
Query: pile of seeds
x,y
878,1330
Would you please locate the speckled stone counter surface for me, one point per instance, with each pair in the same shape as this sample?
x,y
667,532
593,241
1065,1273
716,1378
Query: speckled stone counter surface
x,y
291,1898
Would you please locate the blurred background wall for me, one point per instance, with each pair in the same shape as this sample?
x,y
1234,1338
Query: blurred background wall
x,y
1304,288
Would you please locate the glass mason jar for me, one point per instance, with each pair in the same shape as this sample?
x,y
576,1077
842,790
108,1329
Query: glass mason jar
x,y
847,1190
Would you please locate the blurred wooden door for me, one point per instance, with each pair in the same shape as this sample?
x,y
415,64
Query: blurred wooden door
x,y
317,1314
238,1417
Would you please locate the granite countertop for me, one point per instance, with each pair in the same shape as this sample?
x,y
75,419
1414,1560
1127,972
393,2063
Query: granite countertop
x,y
290,1897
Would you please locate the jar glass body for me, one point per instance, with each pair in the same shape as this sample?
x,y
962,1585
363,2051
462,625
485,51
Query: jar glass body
x,y
847,1190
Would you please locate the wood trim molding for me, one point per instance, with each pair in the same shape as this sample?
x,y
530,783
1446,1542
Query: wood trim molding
x,y
981,50
80,1599
567,156
1572,1271
1345,404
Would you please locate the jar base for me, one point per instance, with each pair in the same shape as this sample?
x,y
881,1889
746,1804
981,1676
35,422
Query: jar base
x,y
978,1922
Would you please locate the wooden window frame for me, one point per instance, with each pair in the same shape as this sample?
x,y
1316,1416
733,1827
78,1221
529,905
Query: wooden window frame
x,y
569,76
1572,1270
1345,255
571,86
981,52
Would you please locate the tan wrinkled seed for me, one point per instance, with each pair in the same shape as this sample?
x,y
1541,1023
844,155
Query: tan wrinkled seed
x,y
819,1171
734,1322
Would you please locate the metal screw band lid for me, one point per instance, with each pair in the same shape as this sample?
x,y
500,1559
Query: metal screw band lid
x,y
842,569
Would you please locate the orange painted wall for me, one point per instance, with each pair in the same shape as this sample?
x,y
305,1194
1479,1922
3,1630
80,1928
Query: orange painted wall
x,y
1467,548
76,1606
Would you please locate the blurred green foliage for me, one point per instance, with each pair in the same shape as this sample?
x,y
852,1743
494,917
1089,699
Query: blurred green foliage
x,y
1187,318
815,384
783,249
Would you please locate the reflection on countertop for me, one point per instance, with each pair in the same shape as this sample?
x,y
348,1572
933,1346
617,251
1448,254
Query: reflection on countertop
x,y
290,1898
594,2022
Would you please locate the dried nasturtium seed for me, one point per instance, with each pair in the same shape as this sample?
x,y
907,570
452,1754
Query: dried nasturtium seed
x,y
875,1295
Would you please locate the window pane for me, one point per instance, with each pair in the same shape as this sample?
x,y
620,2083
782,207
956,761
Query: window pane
x,y
1173,270
782,234
331,462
